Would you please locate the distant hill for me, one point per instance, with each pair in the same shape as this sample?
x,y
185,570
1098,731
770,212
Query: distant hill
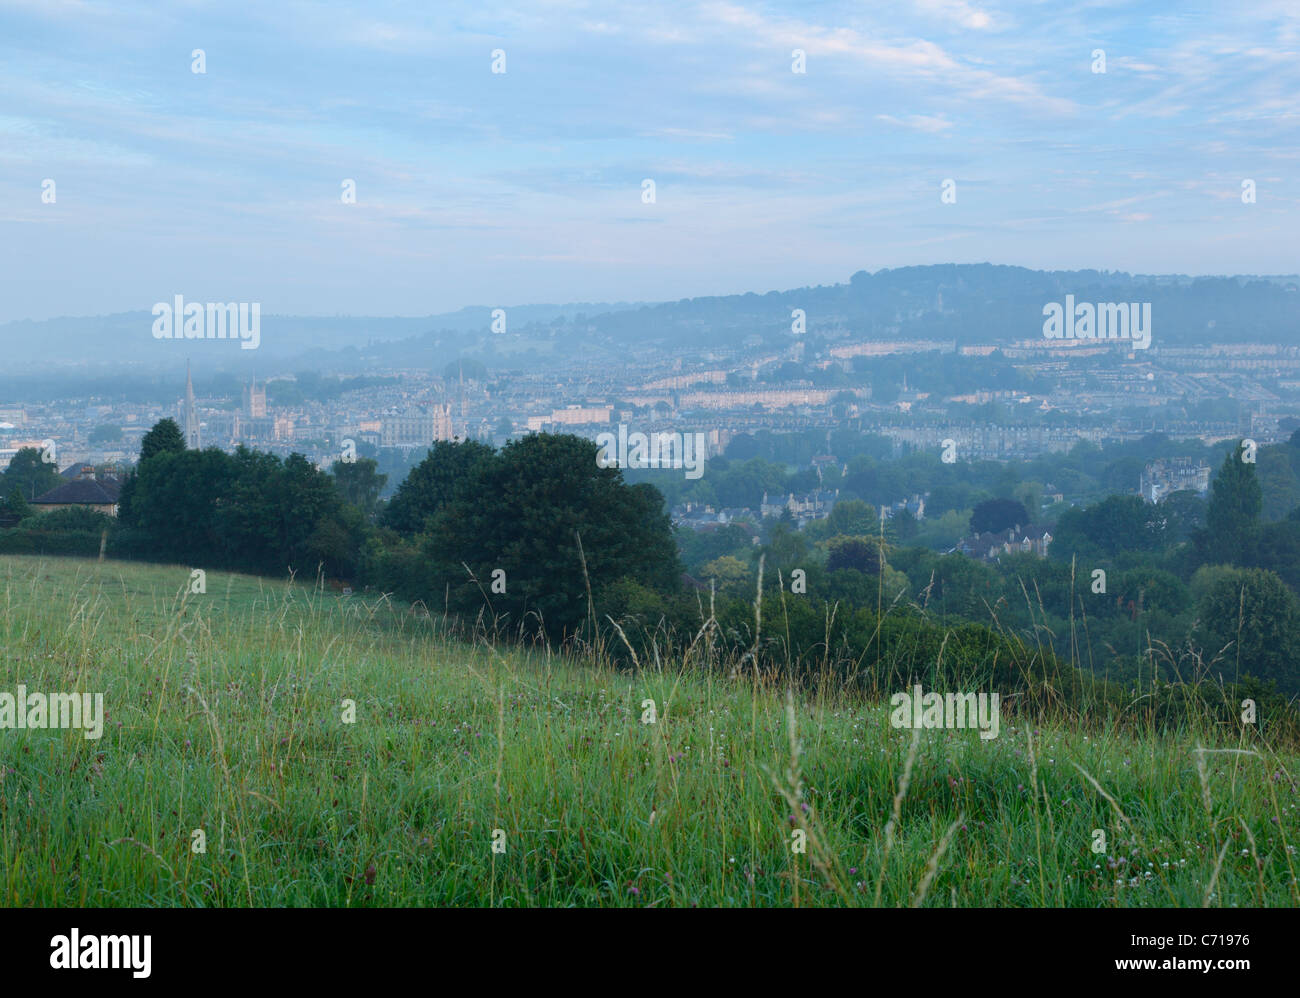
x,y
966,303
977,303
108,342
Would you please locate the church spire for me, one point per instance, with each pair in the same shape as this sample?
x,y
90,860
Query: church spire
x,y
192,440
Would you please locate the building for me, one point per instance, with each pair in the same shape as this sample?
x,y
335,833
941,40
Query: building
x,y
255,401
573,415
417,428
915,506
83,492
1160,478
814,506
679,381
1013,540
765,398
193,441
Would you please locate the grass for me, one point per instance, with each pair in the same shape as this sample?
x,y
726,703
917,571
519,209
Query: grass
x,y
225,722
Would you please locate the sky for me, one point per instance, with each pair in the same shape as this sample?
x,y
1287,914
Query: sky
x,y
475,187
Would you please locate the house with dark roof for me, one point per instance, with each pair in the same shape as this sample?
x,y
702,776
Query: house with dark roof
x,y
83,492
814,506
1013,540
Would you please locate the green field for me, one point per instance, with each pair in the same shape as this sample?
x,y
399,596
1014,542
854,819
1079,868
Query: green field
x,y
225,716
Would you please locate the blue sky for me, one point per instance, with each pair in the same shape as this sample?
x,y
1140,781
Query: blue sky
x,y
482,188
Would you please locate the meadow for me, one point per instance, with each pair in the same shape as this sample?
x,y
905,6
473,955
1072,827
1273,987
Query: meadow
x,y
281,744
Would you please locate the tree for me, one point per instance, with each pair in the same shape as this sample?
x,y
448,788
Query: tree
x,y
30,475
1126,523
1278,481
996,515
272,515
73,518
434,483
171,504
1116,524
552,522
786,550
16,506
860,554
1278,549
1251,614
164,438
250,512
1235,503
961,586
359,483
699,547
1184,514
1030,495
731,574
902,527
1149,588
742,447
850,517
1123,473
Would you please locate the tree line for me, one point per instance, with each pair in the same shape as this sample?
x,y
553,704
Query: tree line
x,y
537,539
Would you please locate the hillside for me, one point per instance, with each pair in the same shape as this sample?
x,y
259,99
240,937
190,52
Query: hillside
x,y
965,303
224,713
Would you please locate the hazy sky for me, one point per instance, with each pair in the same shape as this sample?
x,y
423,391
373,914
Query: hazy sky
x,y
474,187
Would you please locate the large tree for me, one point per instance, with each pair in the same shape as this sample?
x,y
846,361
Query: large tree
x,y
171,507
996,515
250,511
1233,511
164,438
14,509
850,517
30,475
1184,514
272,511
1251,621
433,483
359,483
544,513
861,554
1115,525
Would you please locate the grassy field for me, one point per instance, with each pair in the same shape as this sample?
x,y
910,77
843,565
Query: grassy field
x,y
227,727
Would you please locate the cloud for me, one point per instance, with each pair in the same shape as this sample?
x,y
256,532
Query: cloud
x,y
761,170
918,122
956,11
